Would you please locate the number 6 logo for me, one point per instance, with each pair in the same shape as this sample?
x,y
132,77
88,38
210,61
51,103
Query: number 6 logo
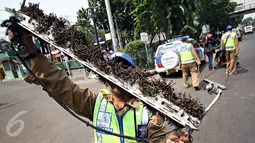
x,y
14,121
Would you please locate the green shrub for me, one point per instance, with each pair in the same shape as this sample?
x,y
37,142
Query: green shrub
x,y
121,50
136,50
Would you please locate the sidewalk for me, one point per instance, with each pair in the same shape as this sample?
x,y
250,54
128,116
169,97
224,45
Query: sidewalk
x,y
76,74
12,79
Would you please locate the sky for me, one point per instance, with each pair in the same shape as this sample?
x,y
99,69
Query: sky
x,y
63,8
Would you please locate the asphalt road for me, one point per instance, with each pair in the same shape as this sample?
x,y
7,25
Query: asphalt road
x,y
39,119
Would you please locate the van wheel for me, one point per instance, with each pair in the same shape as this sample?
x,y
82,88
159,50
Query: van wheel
x,y
162,74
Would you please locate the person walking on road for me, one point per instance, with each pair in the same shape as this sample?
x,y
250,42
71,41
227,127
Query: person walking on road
x,y
110,109
188,62
209,51
230,43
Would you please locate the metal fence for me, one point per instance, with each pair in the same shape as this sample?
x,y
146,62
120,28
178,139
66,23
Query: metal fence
x,y
140,57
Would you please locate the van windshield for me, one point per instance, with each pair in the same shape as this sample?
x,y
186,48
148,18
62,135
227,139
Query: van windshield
x,y
167,48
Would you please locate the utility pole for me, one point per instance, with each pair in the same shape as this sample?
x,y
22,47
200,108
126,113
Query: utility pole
x,y
113,32
94,22
118,32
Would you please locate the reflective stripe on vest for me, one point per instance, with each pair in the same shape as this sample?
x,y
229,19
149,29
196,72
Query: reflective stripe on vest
x,y
186,54
230,45
105,117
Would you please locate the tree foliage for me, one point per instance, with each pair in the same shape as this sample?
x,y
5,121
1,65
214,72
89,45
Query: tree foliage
x,y
216,13
173,17
154,17
189,30
248,21
83,24
121,10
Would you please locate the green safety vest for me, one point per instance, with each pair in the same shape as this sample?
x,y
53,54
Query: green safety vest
x,y
186,54
105,117
230,45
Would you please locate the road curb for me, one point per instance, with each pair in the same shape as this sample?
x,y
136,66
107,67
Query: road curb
x,y
13,79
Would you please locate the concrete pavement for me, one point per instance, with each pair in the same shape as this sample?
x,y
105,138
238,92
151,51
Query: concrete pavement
x,y
231,120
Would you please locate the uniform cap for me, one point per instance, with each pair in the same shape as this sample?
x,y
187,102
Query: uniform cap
x,y
229,27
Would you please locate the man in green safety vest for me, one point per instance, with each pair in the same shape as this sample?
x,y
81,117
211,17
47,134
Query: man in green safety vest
x,y
230,43
188,62
109,109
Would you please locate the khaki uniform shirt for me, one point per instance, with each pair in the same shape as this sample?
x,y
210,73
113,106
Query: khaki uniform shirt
x,y
81,101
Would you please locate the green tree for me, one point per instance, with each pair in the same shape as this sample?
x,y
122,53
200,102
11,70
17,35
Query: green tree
x,y
121,10
153,16
189,30
181,14
247,21
83,24
83,17
144,18
216,13
235,21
